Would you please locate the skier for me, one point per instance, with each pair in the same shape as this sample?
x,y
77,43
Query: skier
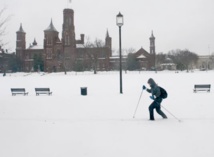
x,y
156,104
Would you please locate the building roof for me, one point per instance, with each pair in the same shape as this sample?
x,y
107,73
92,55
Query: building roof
x,y
20,29
107,34
118,57
204,57
142,53
80,46
35,47
51,28
141,56
152,36
166,64
34,42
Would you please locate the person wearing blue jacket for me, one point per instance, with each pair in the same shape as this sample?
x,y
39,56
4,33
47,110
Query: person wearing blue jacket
x,y
156,97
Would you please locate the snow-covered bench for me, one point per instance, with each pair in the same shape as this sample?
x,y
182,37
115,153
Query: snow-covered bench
x,y
202,87
43,91
15,91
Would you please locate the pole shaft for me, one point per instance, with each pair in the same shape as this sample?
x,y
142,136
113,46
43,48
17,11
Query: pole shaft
x,y
138,104
171,114
121,84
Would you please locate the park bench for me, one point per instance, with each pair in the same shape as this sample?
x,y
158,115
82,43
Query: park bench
x,y
202,87
43,91
18,91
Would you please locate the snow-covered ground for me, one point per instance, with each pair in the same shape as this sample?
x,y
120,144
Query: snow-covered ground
x,y
101,124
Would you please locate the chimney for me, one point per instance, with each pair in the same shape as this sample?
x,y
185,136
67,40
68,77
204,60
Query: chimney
x,y
82,38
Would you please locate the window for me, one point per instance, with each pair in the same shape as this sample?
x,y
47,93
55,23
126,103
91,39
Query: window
x,y
26,56
67,40
49,54
58,54
49,41
70,20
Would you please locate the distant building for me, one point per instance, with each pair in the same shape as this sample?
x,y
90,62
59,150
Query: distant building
x,y
147,59
6,61
66,53
205,63
168,64
69,54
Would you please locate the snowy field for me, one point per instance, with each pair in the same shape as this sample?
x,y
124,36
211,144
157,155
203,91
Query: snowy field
x,y
101,124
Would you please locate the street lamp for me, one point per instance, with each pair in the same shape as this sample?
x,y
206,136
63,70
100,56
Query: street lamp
x,y
119,20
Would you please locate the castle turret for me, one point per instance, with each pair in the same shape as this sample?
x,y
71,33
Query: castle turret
x,y
50,41
20,40
68,37
34,42
20,44
108,40
152,52
152,44
51,35
68,33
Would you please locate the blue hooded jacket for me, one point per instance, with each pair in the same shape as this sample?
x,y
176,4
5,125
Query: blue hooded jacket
x,y
155,90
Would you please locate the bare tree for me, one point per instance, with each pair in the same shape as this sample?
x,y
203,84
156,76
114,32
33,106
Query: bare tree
x,y
125,52
3,26
93,52
131,62
160,58
183,58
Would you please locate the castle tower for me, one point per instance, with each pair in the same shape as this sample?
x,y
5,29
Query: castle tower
x,y
20,45
68,33
152,44
68,36
108,40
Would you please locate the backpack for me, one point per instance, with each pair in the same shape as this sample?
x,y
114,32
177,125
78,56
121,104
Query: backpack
x,y
163,93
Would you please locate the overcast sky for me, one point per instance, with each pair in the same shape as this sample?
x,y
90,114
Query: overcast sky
x,y
177,24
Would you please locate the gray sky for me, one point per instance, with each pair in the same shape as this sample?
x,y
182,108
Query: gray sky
x,y
177,24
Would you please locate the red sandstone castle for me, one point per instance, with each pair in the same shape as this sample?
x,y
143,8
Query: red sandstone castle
x,y
69,54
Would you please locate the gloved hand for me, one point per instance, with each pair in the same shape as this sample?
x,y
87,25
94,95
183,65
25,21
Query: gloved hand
x,y
152,97
144,87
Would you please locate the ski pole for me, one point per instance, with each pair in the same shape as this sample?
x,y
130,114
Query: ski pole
x,y
138,104
171,114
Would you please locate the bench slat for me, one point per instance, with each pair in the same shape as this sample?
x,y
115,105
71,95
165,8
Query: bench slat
x,y
43,91
18,91
202,87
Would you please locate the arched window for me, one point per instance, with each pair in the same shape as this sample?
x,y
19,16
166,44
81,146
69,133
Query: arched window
x,y
58,54
67,40
49,41
49,54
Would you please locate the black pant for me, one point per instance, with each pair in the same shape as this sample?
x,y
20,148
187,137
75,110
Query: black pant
x,y
156,105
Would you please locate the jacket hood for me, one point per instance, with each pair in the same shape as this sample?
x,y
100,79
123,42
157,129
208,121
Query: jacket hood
x,y
151,82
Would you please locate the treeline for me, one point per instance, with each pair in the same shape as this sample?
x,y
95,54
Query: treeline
x,y
184,59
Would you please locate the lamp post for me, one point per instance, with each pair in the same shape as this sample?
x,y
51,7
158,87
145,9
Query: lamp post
x,y
119,20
